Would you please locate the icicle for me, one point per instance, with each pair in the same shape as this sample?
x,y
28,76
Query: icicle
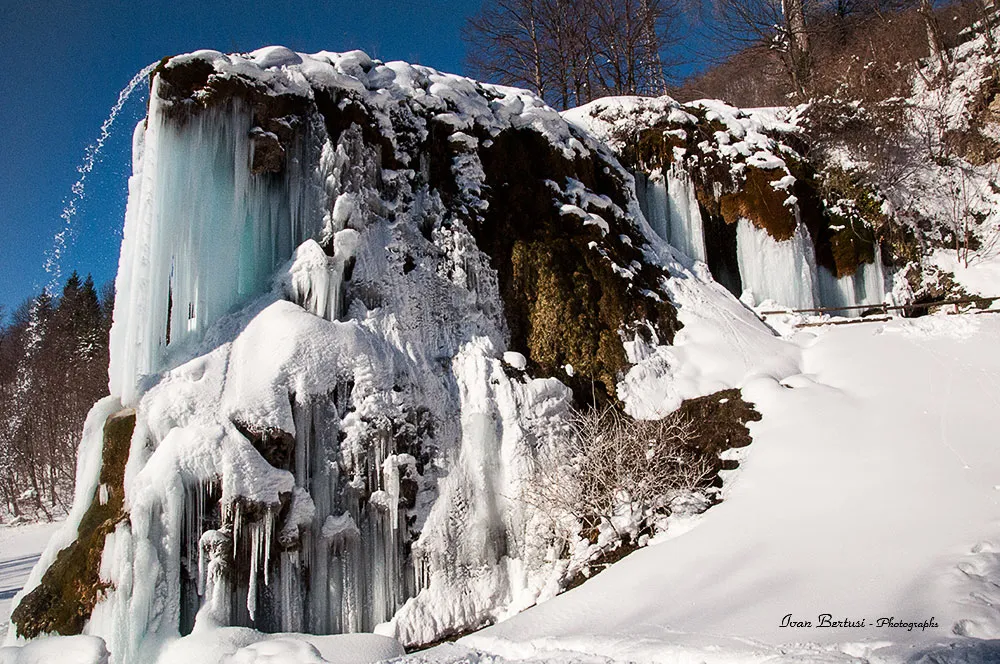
x,y
261,534
872,281
865,287
291,601
267,533
653,197
202,233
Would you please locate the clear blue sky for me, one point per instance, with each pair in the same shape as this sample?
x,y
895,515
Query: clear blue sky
x,y
62,63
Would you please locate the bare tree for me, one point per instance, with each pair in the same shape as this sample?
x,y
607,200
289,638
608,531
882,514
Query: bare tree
x,y
778,26
573,51
509,39
934,43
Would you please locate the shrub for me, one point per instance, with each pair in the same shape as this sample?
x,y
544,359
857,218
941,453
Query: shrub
x,y
612,469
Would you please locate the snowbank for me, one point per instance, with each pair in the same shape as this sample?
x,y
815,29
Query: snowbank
x,y
868,499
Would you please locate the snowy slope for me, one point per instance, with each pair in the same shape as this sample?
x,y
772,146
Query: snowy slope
x,y
20,548
870,491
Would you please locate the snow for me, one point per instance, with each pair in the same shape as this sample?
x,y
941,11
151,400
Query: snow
x,y
720,343
20,548
62,649
240,645
869,492
602,118
981,276
515,360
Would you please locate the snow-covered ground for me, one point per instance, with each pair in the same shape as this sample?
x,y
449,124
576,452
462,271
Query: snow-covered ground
x,y
20,547
871,492
979,276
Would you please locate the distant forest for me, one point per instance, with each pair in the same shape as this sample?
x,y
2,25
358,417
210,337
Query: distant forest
x,y
762,52
54,349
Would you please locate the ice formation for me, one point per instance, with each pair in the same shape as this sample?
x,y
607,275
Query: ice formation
x,y
784,271
864,287
781,270
669,203
203,233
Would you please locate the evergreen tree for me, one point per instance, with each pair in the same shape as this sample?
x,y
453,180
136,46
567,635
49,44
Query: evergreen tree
x,y
53,367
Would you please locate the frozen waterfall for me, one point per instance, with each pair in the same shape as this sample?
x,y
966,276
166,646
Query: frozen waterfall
x,y
204,232
671,207
782,271
865,287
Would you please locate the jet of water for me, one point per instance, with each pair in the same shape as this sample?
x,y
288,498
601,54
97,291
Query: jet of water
x,y
54,256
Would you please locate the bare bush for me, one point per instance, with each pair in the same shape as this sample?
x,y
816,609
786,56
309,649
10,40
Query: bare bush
x,y
612,465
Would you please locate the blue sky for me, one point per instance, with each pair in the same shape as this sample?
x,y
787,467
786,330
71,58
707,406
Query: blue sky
x,y
62,64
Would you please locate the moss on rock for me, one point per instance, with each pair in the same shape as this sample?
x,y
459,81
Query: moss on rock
x,y
71,587
565,301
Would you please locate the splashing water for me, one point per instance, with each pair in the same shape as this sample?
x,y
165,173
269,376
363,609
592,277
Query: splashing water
x,y
34,333
54,256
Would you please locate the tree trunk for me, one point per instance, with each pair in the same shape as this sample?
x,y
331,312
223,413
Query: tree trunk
x,y
934,44
798,43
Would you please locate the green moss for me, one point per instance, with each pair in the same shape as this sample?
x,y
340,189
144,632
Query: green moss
x,y
563,300
573,309
72,586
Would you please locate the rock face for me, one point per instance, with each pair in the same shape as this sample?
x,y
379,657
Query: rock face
x,y
72,585
728,187
324,261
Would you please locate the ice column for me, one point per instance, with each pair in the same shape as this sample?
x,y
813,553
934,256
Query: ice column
x,y
671,208
865,287
202,232
684,217
782,271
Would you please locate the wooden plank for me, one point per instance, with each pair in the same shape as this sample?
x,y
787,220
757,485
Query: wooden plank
x,y
850,321
884,308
